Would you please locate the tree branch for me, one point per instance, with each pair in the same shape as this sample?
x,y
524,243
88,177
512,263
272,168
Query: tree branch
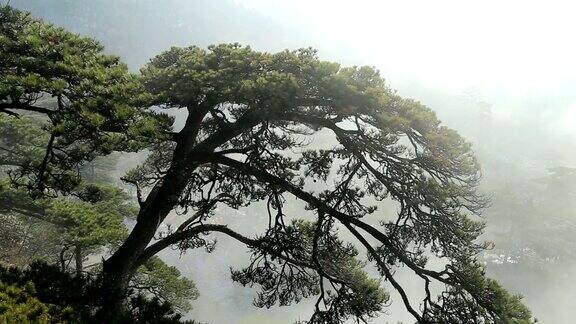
x,y
386,271
202,228
322,207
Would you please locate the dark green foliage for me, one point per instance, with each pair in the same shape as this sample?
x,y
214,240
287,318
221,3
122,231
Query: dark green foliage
x,y
90,218
43,293
17,305
69,298
63,104
275,267
165,283
87,99
91,222
478,298
153,310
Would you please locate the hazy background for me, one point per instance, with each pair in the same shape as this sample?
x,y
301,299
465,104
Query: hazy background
x,y
501,73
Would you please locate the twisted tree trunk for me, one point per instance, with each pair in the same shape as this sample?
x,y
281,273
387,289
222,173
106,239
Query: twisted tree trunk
x,y
121,266
187,156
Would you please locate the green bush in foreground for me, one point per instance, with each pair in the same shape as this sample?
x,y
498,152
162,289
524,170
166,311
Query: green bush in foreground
x,y
43,293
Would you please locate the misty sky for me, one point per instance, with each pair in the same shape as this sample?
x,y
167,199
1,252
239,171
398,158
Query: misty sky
x,y
514,57
511,45
505,49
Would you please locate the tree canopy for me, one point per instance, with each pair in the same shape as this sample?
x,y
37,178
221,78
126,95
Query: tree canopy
x,y
384,183
57,203
85,95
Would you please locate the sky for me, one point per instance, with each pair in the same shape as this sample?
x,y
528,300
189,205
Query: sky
x,y
512,45
506,50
